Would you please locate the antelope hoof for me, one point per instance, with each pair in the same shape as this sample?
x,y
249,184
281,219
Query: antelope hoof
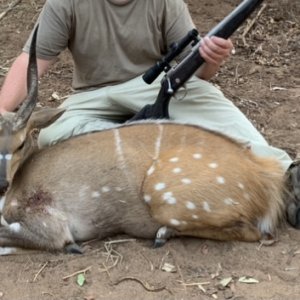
x,y
293,206
73,249
162,235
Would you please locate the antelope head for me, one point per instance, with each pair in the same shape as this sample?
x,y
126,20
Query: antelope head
x,y
16,139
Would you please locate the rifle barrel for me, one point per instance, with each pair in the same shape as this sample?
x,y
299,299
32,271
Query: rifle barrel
x,y
188,66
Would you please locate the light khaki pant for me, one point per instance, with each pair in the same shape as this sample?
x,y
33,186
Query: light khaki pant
x,y
201,103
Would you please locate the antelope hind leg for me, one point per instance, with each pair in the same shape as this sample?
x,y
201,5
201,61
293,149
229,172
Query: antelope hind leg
x,y
240,231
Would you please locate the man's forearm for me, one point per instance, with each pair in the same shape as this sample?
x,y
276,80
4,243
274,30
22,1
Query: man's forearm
x,y
207,71
14,89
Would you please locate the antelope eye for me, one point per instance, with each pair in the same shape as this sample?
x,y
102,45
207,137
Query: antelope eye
x,y
20,146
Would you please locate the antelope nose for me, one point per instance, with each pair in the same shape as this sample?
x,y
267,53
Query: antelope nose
x,y
3,186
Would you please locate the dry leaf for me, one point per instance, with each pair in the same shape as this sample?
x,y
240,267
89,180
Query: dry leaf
x,y
55,96
246,279
224,282
278,88
169,268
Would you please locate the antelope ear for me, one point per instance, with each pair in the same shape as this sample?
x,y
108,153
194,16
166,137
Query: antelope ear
x,y
43,118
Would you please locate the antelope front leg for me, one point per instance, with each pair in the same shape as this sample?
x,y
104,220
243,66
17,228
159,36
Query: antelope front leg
x,y
163,234
36,234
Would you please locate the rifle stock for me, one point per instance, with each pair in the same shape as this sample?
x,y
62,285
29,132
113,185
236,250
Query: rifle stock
x,y
181,73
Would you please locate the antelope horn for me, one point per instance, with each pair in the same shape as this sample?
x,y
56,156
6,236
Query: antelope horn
x,y
29,103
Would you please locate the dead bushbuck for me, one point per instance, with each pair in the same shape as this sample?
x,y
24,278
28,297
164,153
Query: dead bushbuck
x,y
151,179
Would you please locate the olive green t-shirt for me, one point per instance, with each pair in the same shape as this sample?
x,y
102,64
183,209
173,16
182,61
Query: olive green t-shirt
x,y
110,43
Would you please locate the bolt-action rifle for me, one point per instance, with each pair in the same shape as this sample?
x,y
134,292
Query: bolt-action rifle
x,y
177,76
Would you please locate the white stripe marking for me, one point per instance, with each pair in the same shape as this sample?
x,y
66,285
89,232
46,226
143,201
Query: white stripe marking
x,y
158,142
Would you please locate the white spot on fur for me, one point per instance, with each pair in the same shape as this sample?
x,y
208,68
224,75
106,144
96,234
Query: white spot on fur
x,y
190,205
105,189
186,181
16,227
169,198
14,203
195,217
229,201
95,194
220,180
7,250
197,156
160,186
241,186
174,222
151,170
147,198
213,165
2,201
177,170
174,159
206,207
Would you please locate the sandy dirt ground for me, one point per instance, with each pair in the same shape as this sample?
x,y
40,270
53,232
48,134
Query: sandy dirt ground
x,y
263,80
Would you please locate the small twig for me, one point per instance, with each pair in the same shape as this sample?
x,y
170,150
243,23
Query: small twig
x,y
9,8
78,272
194,283
47,293
145,285
198,284
40,271
250,25
163,259
149,261
106,269
120,241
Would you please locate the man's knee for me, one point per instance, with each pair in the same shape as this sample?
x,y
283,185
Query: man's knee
x,y
60,131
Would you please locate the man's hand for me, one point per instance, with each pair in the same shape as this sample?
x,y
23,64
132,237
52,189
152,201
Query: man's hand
x,y
215,50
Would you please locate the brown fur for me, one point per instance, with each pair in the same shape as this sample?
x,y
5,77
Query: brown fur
x,y
94,185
